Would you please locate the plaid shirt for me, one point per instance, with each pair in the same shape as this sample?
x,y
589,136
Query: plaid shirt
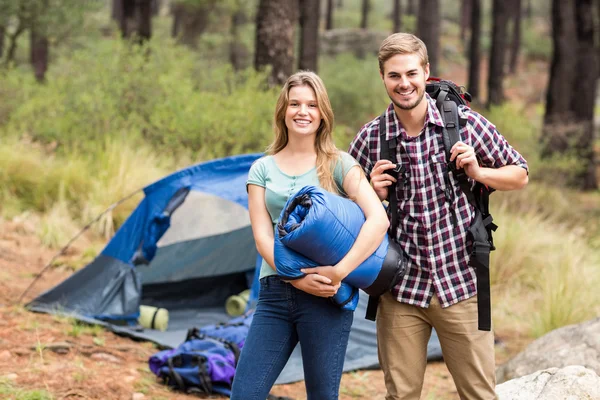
x,y
438,250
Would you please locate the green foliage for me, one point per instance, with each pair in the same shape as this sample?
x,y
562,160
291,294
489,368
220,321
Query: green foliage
x,y
10,391
355,89
536,43
158,94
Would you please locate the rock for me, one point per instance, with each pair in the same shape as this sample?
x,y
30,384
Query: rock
x,y
105,357
5,355
569,345
138,396
568,383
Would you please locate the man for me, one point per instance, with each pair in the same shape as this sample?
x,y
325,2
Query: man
x,y
439,288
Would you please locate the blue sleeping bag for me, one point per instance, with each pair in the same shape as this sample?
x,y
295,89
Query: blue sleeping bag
x,y
318,228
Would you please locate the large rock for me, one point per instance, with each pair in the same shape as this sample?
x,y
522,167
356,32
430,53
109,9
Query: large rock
x,y
569,345
568,383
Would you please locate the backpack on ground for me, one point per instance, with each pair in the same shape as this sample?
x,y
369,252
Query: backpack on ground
x,y
205,362
448,96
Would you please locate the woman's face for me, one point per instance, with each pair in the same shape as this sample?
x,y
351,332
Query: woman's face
x,y
302,116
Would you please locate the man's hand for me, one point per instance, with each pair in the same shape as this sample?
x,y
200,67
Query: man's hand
x,y
335,275
380,180
466,158
317,285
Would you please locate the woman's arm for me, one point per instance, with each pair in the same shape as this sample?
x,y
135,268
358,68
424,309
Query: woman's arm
x,y
262,229
371,233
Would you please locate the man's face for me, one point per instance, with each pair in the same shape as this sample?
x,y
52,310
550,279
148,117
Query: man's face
x,y
404,79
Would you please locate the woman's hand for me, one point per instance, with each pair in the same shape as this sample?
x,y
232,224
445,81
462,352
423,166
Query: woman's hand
x,y
335,275
315,284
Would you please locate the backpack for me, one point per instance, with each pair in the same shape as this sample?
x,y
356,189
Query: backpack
x,y
448,96
205,362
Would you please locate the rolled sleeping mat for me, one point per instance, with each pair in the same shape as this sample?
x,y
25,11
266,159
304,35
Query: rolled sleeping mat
x,y
322,227
236,305
154,318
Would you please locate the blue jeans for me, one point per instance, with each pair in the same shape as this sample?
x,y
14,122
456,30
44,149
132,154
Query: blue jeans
x,y
285,316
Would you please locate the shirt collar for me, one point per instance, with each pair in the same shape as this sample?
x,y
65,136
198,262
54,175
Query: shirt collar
x,y
394,127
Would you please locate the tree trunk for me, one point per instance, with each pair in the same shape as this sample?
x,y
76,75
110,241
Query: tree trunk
x,y
364,19
144,20
275,22
474,49
38,46
528,10
136,19
2,30
39,54
309,34
190,21
428,29
329,16
584,92
117,10
562,78
465,15
516,37
412,7
497,54
156,7
397,15
238,54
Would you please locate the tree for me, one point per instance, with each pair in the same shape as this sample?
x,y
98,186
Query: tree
x,y
465,15
474,49
497,53
238,54
38,46
275,22
309,34
397,15
412,7
428,29
583,96
364,15
329,15
2,30
191,18
570,99
516,37
136,18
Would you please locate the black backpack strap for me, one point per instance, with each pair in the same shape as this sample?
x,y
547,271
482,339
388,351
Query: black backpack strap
x,y
482,225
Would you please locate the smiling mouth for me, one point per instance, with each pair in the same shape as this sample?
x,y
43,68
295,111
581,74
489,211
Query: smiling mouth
x,y
302,122
407,93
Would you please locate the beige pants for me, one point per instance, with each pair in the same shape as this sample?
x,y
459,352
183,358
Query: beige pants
x,y
403,332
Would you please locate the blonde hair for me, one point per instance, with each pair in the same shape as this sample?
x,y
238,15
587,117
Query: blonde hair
x,y
327,154
402,43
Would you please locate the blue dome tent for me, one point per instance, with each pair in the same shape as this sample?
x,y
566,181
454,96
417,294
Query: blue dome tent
x,y
187,247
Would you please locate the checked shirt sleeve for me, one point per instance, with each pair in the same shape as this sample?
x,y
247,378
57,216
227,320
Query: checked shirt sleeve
x,y
492,149
360,148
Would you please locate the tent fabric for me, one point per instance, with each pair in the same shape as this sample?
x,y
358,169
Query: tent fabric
x,y
187,247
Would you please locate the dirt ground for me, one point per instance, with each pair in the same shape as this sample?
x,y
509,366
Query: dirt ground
x,y
74,361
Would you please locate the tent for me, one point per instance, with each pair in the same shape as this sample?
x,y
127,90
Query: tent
x,y
187,247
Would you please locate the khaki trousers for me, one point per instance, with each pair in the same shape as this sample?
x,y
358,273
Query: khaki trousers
x,y
403,332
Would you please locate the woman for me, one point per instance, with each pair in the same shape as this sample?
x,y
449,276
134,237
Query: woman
x,y
303,153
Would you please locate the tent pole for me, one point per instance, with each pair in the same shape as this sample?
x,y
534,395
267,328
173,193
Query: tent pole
x,y
81,232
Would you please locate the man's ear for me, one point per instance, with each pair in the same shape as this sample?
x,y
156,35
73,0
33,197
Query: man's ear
x,y
426,71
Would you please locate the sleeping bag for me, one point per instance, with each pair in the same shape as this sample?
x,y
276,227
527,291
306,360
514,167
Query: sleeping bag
x,y
318,228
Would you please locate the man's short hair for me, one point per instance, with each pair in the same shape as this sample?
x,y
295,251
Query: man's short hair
x,y
402,43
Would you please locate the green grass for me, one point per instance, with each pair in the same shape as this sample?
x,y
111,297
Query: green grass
x,y
9,391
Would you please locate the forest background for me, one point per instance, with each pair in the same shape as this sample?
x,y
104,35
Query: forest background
x,y
99,98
